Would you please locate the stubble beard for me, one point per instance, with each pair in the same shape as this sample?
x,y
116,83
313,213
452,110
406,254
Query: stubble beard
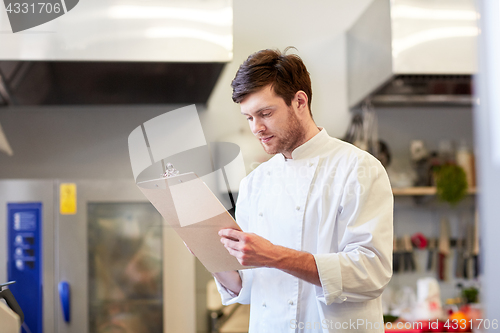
x,y
287,139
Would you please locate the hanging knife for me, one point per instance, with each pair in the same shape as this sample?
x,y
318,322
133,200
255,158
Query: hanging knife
x,y
444,248
431,248
475,247
395,256
469,244
460,250
409,259
459,263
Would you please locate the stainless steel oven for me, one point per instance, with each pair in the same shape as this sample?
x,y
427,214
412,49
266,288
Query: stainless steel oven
x,y
93,256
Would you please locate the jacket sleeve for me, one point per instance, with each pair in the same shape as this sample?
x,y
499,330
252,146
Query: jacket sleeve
x,y
242,216
228,297
362,267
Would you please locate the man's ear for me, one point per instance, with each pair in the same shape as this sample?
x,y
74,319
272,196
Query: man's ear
x,y
300,100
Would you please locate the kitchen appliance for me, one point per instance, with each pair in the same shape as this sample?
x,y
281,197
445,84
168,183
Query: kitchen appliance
x,y
117,52
413,52
100,255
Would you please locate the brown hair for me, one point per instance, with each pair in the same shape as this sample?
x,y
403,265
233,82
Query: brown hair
x,y
286,73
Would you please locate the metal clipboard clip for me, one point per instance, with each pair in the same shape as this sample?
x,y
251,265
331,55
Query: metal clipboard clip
x,y
170,171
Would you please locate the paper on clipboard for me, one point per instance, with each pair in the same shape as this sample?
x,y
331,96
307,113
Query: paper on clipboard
x,y
195,213
195,207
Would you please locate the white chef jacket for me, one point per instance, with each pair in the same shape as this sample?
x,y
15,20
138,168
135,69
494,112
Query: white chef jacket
x,y
332,200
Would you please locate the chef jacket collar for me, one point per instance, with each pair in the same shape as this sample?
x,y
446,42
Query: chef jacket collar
x,y
311,147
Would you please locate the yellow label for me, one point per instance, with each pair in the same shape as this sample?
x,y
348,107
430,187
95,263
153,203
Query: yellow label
x,y
67,194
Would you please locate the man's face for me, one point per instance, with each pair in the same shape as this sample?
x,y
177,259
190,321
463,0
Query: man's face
x,y
274,123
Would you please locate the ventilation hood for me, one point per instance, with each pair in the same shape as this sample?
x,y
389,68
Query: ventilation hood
x,y
116,52
413,52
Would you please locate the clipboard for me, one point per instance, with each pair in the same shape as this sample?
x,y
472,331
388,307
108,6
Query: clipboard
x,y
188,205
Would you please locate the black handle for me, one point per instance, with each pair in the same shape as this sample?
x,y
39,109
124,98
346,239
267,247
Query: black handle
x,y
430,257
12,303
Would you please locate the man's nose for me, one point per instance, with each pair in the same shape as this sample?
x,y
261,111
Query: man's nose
x,y
257,126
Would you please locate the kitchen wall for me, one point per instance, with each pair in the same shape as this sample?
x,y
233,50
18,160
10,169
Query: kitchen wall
x,y
71,142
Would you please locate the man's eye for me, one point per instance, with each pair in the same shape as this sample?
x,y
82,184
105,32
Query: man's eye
x,y
266,114
249,118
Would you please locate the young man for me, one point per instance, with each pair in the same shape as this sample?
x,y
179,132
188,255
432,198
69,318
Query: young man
x,y
317,217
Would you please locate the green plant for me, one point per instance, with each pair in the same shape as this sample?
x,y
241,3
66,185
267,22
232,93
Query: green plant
x,y
451,183
470,294
390,318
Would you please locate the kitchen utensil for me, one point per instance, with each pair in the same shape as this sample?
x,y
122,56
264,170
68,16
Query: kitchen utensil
x,y
363,133
431,248
355,129
475,248
444,248
395,256
409,259
469,260
459,262
460,248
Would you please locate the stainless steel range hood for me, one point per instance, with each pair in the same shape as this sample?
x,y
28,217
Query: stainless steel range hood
x,y
413,52
118,51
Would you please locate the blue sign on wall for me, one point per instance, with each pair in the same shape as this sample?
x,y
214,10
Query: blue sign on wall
x,y
24,224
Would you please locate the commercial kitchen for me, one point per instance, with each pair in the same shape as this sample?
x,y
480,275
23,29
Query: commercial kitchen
x,y
82,248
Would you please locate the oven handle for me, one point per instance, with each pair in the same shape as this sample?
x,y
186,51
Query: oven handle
x,y
65,296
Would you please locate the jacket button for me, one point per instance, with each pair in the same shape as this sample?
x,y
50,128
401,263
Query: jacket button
x,y
264,304
260,214
297,208
290,302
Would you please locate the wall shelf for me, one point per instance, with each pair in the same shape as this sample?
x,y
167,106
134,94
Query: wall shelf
x,y
427,190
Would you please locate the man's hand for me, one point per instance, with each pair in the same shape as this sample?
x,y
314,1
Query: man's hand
x,y
250,249
253,250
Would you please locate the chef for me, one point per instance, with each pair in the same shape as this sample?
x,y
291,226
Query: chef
x,y
316,218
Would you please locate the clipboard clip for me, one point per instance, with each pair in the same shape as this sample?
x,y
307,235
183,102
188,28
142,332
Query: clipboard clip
x,y
170,171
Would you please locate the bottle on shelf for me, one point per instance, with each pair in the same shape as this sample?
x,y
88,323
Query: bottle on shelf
x,y
465,159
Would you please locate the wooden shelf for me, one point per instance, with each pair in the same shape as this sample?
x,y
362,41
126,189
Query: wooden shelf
x,y
427,190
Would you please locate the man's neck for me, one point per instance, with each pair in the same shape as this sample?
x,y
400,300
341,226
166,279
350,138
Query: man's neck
x,y
311,131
